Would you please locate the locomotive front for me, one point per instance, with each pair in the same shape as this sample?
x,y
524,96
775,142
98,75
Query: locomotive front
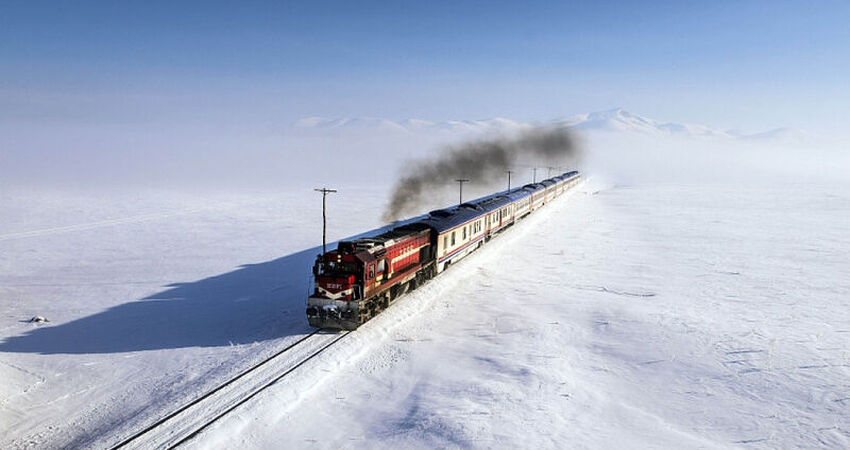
x,y
338,284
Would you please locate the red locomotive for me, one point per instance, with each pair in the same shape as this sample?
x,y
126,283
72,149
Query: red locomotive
x,y
361,277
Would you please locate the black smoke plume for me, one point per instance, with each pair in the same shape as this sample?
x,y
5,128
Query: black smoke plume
x,y
483,162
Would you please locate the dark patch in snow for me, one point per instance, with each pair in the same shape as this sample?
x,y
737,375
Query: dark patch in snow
x,y
627,294
654,361
614,291
500,367
751,441
426,426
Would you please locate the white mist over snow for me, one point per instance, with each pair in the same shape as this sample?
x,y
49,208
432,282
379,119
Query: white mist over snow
x,y
691,294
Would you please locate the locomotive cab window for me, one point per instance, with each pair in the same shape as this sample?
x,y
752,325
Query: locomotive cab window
x,y
382,265
371,271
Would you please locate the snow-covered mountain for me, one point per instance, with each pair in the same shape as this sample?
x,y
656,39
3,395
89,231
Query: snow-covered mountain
x,y
612,121
407,125
619,120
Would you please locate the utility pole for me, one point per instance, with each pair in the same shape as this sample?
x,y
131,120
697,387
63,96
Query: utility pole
x,y
460,182
509,179
325,192
549,172
534,178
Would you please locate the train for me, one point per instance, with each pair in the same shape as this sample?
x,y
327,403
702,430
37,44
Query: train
x,y
364,276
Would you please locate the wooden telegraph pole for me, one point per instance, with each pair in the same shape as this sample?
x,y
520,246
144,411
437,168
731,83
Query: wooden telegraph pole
x,y
325,192
460,183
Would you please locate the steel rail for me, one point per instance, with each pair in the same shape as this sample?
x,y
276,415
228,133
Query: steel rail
x,y
194,402
257,391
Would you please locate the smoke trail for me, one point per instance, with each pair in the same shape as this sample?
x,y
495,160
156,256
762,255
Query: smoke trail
x,y
483,162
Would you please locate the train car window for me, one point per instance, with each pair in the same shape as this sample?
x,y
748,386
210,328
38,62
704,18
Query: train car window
x,y
445,243
453,238
464,233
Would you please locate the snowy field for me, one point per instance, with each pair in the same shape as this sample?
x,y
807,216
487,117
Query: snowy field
x,y
666,316
152,297
673,311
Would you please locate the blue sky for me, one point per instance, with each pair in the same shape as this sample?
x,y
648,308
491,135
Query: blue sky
x,y
750,65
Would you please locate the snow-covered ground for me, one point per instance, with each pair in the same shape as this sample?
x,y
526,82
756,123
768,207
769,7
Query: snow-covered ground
x,y
690,295
662,316
152,298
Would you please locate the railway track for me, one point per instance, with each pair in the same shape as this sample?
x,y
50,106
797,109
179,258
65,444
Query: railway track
x,y
192,418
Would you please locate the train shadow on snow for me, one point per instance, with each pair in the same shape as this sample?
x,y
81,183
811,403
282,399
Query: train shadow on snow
x,y
253,303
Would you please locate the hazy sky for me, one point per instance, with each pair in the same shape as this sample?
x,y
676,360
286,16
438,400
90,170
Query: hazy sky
x,y
152,73
747,64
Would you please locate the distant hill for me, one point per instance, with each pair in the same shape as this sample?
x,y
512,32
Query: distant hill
x,y
612,121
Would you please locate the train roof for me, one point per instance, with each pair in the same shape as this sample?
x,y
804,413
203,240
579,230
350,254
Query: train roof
x,y
385,239
519,194
478,200
496,202
445,219
532,187
473,206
